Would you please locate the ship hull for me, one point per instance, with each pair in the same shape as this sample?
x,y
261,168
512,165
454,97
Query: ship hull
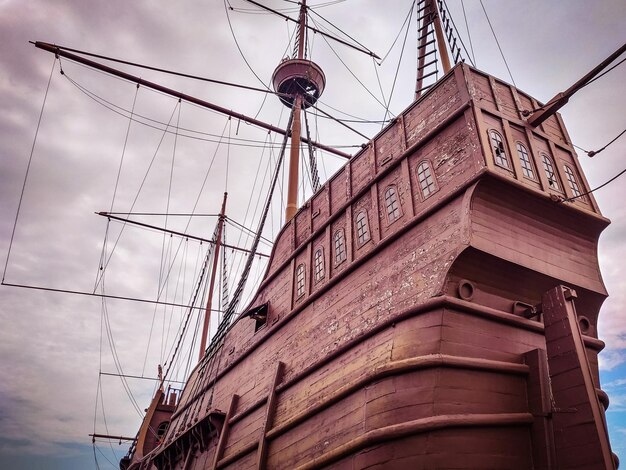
x,y
426,345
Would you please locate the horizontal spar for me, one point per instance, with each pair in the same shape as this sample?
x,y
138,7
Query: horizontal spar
x,y
177,94
173,232
115,438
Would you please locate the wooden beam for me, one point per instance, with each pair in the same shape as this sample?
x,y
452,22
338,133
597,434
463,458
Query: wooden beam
x,y
221,443
578,416
269,417
177,94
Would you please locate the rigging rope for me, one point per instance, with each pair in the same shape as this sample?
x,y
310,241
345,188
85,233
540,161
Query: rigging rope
x,y
498,43
349,70
232,306
595,189
214,359
242,142
232,31
224,298
170,72
315,179
469,35
395,78
593,153
201,281
30,159
453,29
108,260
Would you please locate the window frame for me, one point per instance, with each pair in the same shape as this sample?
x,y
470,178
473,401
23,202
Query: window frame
x,y
570,174
396,210
340,236
502,147
367,236
531,167
318,265
300,276
431,174
547,160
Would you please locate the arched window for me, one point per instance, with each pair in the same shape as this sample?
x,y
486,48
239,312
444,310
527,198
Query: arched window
x,y
571,179
524,159
548,167
319,264
340,246
161,430
426,179
362,228
497,146
300,281
391,202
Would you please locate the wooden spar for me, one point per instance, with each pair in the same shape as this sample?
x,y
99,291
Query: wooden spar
x,y
177,94
216,256
294,162
441,42
562,98
294,154
317,31
115,438
174,232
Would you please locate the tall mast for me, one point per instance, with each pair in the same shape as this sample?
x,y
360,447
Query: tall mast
x,y
441,41
294,154
209,302
430,14
300,82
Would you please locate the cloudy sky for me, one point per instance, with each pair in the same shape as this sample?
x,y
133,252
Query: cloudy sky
x,y
52,346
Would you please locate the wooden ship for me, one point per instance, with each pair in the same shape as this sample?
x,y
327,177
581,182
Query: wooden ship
x,y
433,305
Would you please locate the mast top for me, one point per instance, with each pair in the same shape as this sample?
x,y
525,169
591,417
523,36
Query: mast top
x,y
299,77
302,77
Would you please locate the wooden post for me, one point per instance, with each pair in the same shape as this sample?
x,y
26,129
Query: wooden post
x,y
580,434
294,154
221,443
269,417
441,42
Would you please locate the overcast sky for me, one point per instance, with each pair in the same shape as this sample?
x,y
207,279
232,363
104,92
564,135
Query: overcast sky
x,y
53,345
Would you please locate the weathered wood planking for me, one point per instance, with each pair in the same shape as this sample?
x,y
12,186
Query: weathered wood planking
x,y
371,378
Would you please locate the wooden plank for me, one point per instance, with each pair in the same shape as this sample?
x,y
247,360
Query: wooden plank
x,y
408,185
221,443
591,447
512,150
269,417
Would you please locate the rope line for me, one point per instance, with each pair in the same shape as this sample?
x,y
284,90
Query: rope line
x,y
125,113
498,43
349,69
395,78
595,189
315,178
108,260
469,35
30,159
